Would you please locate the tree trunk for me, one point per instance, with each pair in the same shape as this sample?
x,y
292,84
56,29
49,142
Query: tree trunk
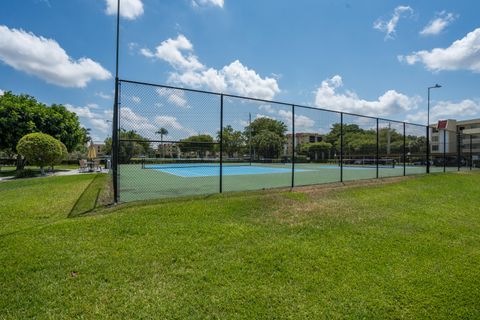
x,y
20,163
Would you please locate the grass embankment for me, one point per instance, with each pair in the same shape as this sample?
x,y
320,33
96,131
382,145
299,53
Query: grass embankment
x,y
403,250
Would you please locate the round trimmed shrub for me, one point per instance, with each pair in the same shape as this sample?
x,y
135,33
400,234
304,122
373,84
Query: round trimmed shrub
x,y
40,149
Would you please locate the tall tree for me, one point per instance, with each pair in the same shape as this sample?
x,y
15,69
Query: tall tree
x,y
199,144
23,114
262,129
315,149
266,124
233,141
132,145
64,126
268,144
162,132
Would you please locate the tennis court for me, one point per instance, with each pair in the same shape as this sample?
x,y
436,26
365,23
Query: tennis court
x,y
171,143
168,180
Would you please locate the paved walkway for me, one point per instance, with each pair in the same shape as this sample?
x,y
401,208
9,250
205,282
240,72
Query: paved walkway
x,y
60,173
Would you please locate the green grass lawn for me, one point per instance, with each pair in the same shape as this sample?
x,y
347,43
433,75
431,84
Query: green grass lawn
x,y
408,249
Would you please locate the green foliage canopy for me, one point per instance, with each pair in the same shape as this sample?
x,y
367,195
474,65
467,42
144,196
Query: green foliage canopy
x,y
268,144
233,140
316,148
267,136
200,144
23,114
266,124
132,145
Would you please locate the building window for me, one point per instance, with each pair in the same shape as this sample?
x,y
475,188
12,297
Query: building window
x,y
312,138
435,148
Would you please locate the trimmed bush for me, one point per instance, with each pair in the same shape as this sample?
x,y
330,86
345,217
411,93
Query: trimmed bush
x,y
40,149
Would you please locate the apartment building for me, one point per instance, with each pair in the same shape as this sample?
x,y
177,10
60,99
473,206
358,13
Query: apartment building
x,y
168,150
301,138
448,135
98,148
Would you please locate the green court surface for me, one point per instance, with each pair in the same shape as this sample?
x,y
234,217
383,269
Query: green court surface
x,y
141,184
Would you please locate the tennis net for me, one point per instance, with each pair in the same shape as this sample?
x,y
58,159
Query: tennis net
x,y
155,163
368,163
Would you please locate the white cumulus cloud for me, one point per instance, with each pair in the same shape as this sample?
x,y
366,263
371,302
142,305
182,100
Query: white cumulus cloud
x,y
169,122
177,97
91,118
129,9
463,54
1,92
233,78
147,127
448,110
171,50
136,99
438,24
104,95
45,59
302,122
389,26
132,121
218,3
391,102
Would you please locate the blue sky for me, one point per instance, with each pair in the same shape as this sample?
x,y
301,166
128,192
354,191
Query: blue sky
x,y
369,57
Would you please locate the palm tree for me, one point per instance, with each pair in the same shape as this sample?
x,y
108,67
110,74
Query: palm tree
x,y
162,132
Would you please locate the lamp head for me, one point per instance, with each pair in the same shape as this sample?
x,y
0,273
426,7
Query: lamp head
x,y
438,86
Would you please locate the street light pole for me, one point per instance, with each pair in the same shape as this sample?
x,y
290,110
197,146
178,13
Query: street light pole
x,y
428,125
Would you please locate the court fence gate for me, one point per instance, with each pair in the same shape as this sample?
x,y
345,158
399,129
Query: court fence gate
x,y
169,141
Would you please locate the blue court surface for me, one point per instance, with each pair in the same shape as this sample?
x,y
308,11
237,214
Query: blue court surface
x,y
210,171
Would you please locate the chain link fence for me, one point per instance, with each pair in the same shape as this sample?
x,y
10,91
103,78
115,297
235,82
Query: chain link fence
x,y
178,142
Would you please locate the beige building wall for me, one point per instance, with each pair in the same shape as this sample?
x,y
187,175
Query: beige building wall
x,y
301,138
446,139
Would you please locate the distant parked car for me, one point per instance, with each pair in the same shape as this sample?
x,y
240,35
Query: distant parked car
x,y
421,163
449,161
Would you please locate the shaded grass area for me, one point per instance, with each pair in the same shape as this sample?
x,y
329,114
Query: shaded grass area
x,y
28,203
403,250
97,193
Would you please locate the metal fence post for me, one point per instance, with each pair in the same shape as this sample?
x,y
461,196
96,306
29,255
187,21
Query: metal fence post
x,y
377,151
444,150
221,143
404,151
115,146
341,146
115,142
293,145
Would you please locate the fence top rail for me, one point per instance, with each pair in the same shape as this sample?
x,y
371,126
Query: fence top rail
x,y
168,141
262,100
